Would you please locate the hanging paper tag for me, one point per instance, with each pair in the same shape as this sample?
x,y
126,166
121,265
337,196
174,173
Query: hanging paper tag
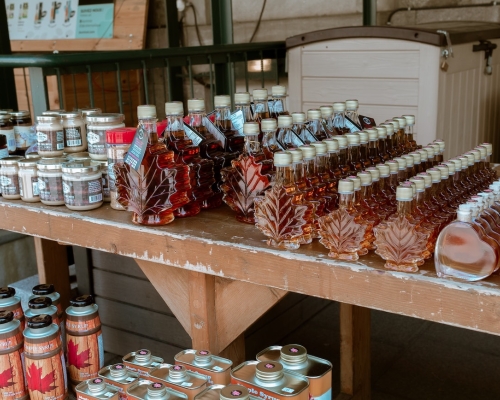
x,y
214,131
237,119
367,122
137,149
351,125
192,134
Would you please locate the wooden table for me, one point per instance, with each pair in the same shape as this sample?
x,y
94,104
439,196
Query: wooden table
x,y
218,276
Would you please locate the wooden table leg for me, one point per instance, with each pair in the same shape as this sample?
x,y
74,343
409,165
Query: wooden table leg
x,y
52,264
354,353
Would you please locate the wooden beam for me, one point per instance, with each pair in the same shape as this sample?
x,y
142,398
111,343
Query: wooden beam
x,y
202,312
354,352
235,351
52,264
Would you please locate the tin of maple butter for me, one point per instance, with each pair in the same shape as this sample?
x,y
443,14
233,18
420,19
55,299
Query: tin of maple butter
x,y
119,376
147,390
270,381
96,389
294,358
179,378
141,361
217,369
12,381
221,392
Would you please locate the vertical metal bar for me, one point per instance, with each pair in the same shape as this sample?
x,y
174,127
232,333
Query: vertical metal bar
x,y
153,82
103,93
169,80
75,96
119,88
211,79
231,80
190,71
8,99
26,89
262,69
165,73
130,96
89,83
246,70
277,67
39,93
176,90
145,81
59,89
222,29
369,12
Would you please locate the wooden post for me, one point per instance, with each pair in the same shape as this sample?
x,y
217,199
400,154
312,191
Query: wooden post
x,y
52,264
354,352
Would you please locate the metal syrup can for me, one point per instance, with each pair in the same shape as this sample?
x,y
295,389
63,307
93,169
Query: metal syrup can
x,y
229,392
217,369
179,378
42,305
294,358
83,339
44,360
141,361
48,290
96,389
10,302
120,377
270,381
13,385
148,390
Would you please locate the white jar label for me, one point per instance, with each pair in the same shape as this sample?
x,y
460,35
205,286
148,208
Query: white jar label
x,y
73,136
96,139
51,188
49,140
9,183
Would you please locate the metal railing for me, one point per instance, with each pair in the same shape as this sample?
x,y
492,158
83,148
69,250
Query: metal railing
x,y
115,81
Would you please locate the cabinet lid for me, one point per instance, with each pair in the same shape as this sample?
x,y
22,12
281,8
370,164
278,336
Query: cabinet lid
x,y
460,32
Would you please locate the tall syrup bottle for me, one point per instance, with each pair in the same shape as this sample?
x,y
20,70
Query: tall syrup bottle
x,y
315,124
300,128
242,102
327,120
351,110
234,141
260,105
278,101
270,144
286,135
339,118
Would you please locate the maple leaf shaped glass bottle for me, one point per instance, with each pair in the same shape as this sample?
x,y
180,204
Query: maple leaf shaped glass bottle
x,y
280,213
300,128
327,120
278,101
399,241
342,231
315,124
343,167
270,144
323,173
312,179
160,186
393,181
287,138
351,110
339,118
234,141
242,102
260,105
201,171
378,194
463,250
248,177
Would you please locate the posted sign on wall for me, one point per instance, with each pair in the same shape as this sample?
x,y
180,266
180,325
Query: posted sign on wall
x,y
63,19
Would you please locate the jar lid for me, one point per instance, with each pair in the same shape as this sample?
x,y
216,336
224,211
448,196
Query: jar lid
x,y
278,90
123,135
196,105
313,114
20,113
101,118
29,162
268,124
146,111
5,117
53,112
298,117
222,100
251,128
70,114
242,98
10,160
48,118
285,121
88,111
234,392
259,94
80,166
3,140
6,110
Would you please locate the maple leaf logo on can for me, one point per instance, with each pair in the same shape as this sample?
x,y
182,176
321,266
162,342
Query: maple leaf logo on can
x,y
236,393
294,350
269,366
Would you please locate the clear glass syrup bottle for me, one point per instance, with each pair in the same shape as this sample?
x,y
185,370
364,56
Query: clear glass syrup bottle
x,y
389,142
353,154
411,144
401,133
234,141
300,127
339,118
270,144
363,149
344,168
278,101
373,152
242,102
327,120
285,135
351,110
315,124
382,138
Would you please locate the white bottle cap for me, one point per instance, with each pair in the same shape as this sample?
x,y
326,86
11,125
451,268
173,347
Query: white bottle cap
x,y
308,152
410,184
465,207
251,128
465,161
436,147
445,172
356,180
404,193
285,121
430,151
381,131
393,123
489,148
282,158
384,170
339,107
402,122
259,94
174,107
427,178
423,154
464,215
372,134
441,144
375,172
435,174
242,98
401,162
146,111
393,165
351,105
268,124
320,147
417,159
196,105
470,158
366,178
476,154
419,183
457,162
389,128
352,138
326,111
342,140
298,117
345,186
482,150
296,155
363,136
222,100
410,119
409,160
495,188
278,90
331,145
313,114
451,167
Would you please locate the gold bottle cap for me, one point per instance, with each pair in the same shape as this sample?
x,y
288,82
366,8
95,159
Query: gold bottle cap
x,y
282,159
389,128
268,124
351,105
352,138
451,167
356,181
278,90
313,114
174,107
296,155
242,98
320,147
339,106
285,121
195,105
372,134
419,183
393,165
234,392
489,148
404,193
259,94
308,152
410,119
269,371
298,117
146,111
427,178
363,136
366,178
409,160
326,111
381,131
251,128
331,145
384,170
401,162
293,354
342,140
375,173
416,157
435,174
423,154
402,122
222,100
345,186
482,150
